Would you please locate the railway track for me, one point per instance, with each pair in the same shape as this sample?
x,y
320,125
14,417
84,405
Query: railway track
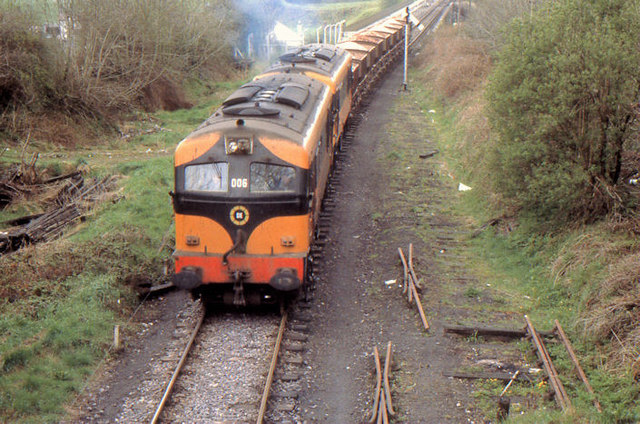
x,y
176,372
195,382
220,375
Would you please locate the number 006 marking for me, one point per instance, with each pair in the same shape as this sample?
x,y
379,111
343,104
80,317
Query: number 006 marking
x,y
239,182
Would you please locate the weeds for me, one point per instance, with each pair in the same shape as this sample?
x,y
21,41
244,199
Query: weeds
x,y
586,277
60,300
472,292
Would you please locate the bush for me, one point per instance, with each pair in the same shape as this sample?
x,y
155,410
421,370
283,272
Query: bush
x,y
562,101
486,19
118,55
119,48
27,70
462,63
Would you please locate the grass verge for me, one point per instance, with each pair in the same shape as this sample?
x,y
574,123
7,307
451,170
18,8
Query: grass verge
x,y
62,299
585,276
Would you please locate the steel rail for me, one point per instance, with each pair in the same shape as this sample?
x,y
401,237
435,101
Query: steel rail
x,y
413,291
387,388
174,377
563,391
405,276
376,396
436,13
365,85
558,389
423,317
382,405
383,416
576,363
411,270
272,369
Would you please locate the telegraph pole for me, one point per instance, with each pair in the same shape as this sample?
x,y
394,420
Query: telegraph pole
x,y
406,50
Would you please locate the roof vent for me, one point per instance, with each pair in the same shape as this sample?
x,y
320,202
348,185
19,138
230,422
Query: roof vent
x,y
296,57
325,54
255,111
265,95
292,94
242,95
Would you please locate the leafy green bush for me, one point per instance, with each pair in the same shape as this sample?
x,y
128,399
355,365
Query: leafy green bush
x,y
562,101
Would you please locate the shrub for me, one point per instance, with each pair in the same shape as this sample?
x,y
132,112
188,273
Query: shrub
x,y
120,48
28,74
118,55
562,101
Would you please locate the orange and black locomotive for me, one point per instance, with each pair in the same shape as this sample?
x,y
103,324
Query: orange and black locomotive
x,y
248,186
250,180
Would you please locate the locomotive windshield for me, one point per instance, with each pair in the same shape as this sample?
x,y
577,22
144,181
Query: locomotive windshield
x,y
268,178
206,177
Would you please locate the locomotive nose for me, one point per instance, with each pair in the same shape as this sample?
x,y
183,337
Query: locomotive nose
x,y
285,279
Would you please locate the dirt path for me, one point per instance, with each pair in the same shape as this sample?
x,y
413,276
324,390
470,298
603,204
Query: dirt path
x,y
388,198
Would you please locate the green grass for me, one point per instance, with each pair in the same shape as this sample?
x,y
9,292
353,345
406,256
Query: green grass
x,y
49,349
547,276
64,299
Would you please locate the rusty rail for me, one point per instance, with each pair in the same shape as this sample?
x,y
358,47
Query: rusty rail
x,y
382,404
387,387
272,369
576,363
558,389
174,377
411,285
376,395
411,270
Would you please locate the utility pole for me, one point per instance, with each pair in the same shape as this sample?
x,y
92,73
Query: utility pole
x,y
406,50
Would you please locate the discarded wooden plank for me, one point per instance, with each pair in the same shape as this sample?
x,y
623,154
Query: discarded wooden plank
x,y
62,177
490,331
51,224
487,375
429,154
22,220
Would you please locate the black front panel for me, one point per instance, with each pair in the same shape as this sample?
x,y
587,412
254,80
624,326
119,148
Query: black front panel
x,y
241,213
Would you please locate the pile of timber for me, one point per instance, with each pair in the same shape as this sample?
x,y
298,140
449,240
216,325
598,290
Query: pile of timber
x,y
17,180
71,202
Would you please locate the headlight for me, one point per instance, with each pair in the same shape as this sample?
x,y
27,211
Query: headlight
x,y
235,146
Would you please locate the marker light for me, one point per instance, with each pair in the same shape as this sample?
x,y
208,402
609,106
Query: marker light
x,y
238,146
